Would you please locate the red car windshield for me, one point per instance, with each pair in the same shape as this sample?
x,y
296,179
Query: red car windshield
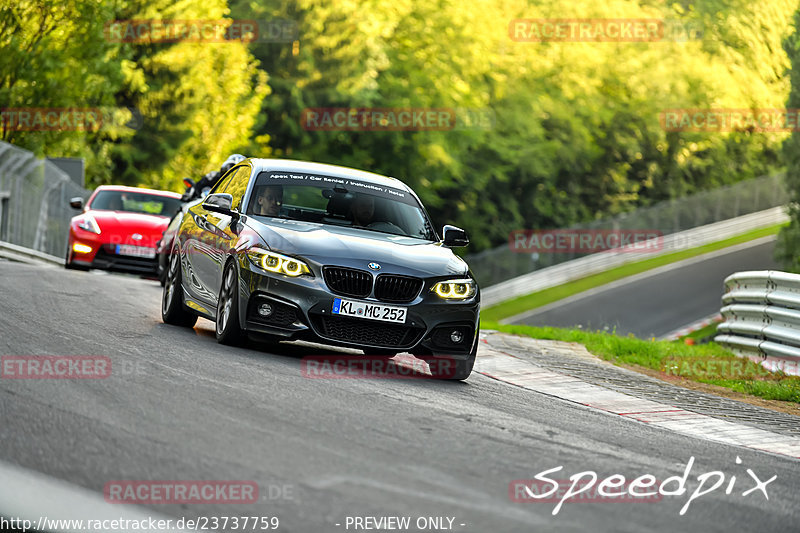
x,y
136,202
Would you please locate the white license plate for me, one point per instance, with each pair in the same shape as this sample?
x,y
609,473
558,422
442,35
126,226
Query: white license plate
x,y
136,251
384,313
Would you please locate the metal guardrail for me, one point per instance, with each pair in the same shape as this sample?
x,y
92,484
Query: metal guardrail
x,y
503,263
34,201
600,262
761,313
20,253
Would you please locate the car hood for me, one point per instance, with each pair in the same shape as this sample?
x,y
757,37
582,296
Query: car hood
x,y
356,248
120,225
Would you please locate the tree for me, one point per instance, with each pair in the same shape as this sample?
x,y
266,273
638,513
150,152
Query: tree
x,y
576,133
199,100
192,103
55,56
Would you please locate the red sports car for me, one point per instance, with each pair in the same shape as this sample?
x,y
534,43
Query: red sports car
x,y
119,228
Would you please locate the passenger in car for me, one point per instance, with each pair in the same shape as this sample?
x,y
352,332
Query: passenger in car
x,y
362,210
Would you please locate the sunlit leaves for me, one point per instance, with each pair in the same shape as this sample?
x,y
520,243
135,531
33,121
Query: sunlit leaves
x,y
576,134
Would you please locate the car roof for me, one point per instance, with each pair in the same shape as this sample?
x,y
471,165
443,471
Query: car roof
x,y
307,167
138,189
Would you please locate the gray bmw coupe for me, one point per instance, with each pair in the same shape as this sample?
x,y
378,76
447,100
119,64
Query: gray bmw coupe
x,y
286,250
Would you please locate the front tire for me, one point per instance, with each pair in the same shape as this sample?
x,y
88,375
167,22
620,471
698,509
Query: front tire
x,y
162,275
229,329
163,266
172,310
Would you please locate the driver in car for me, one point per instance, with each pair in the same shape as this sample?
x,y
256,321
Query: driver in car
x,y
115,204
269,201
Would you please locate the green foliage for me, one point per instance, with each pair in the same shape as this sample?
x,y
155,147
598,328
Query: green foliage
x,y
197,102
575,132
57,57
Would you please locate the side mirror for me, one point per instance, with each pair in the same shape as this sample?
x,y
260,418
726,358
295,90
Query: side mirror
x,y
220,203
188,183
76,203
453,236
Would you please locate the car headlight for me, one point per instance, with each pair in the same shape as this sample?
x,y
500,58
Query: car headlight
x,y
455,289
278,263
88,223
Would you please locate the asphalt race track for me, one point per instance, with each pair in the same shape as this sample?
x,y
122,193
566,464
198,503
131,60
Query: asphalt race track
x,y
178,406
658,304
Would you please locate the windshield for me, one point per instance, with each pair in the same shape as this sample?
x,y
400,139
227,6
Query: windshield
x,y
340,202
136,202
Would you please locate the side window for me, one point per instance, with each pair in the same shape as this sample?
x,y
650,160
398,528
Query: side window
x,y
223,182
238,186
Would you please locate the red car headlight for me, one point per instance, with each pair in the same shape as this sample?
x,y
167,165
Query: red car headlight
x,y
88,223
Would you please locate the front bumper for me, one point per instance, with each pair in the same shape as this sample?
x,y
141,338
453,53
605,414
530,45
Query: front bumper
x,y
302,309
103,256
107,260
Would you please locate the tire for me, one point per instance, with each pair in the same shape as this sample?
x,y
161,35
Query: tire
x,y
162,275
451,367
228,327
163,267
172,309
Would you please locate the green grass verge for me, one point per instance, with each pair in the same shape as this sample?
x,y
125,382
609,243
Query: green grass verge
x,y
553,294
702,333
705,363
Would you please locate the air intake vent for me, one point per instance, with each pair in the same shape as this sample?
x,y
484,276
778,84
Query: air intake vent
x,y
367,333
348,281
397,289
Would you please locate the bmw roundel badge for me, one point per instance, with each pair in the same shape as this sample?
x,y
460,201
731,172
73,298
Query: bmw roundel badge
x,y
374,266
